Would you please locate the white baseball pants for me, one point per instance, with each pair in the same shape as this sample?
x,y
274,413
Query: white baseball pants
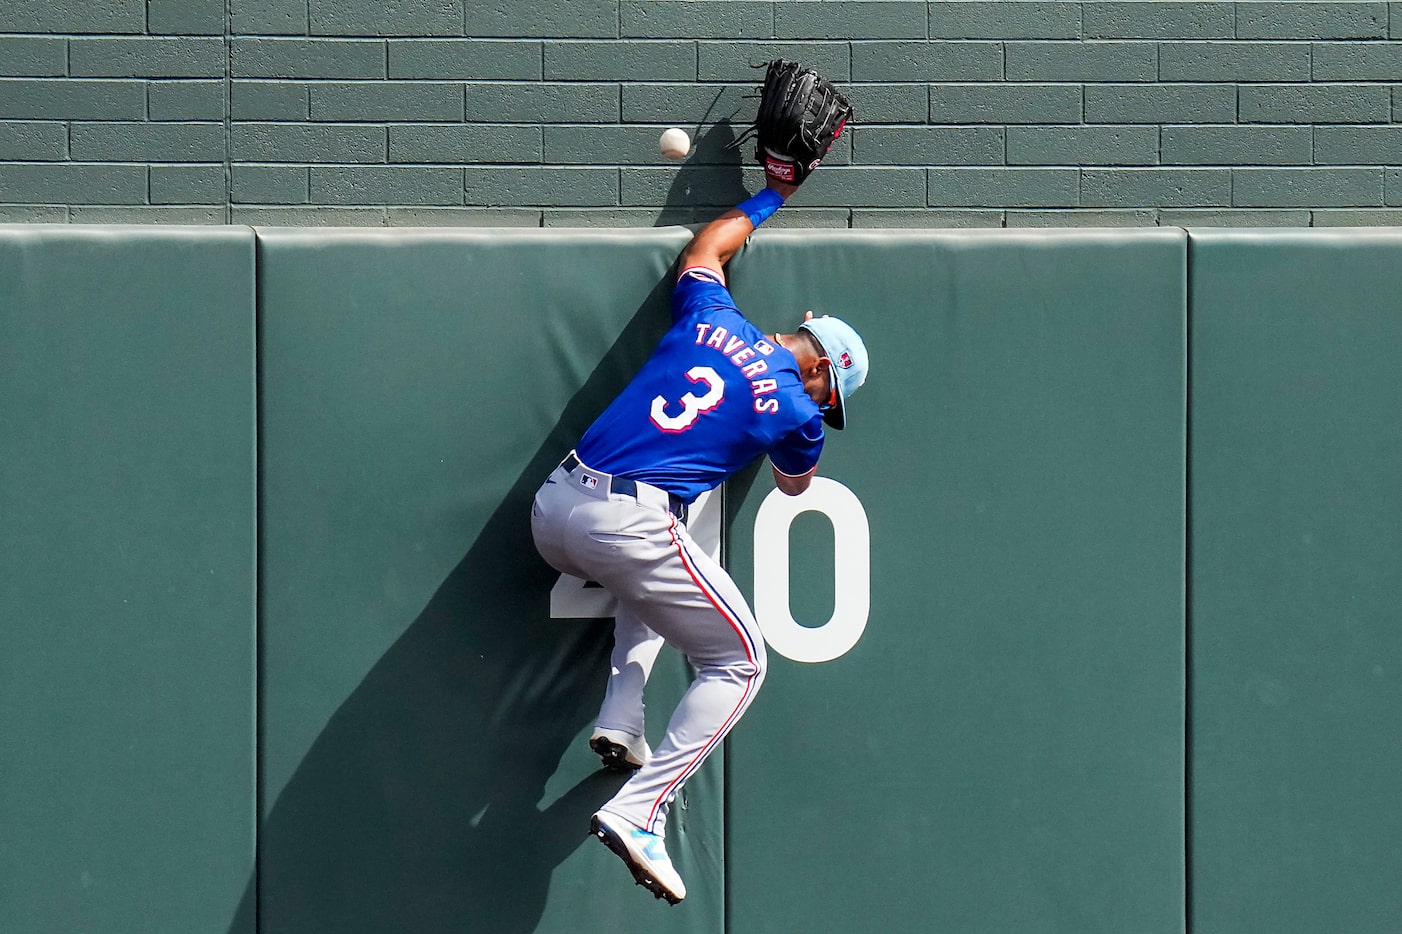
x,y
669,589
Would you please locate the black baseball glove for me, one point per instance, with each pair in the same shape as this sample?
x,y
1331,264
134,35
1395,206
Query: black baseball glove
x,y
800,114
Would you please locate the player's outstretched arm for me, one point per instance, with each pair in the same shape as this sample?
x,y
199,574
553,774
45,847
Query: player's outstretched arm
x,y
800,114
714,244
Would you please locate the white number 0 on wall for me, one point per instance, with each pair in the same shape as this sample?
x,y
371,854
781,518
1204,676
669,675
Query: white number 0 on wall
x,y
573,598
851,566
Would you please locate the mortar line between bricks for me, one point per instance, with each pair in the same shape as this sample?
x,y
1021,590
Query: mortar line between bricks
x,y
228,112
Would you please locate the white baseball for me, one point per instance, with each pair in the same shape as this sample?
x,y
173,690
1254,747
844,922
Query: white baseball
x,y
675,144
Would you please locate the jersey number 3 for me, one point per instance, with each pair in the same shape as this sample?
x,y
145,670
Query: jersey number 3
x,y
692,405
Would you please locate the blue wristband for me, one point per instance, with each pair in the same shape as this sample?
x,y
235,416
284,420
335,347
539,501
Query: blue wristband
x,y
761,205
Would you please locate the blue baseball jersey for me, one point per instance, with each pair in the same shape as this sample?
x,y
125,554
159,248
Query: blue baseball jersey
x,y
714,395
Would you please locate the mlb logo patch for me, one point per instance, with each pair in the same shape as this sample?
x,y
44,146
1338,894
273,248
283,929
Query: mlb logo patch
x,y
588,482
846,360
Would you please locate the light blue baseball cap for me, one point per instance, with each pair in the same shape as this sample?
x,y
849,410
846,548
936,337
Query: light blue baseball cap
x,y
843,346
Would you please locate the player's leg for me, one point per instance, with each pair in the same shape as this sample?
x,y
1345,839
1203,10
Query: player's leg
x,y
644,556
692,602
618,735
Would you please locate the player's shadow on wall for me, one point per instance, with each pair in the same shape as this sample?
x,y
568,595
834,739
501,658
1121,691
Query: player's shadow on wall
x,y
416,809
710,180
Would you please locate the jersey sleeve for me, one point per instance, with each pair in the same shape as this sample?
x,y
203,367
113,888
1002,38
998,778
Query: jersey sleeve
x,y
699,288
797,452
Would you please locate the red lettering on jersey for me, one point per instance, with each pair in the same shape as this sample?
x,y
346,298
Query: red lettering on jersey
x,y
766,406
701,330
760,386
735,344
739,358
718,337
754,369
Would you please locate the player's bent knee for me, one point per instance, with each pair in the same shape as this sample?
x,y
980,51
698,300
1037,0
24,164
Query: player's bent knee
x,y
753,670
761,659
737,670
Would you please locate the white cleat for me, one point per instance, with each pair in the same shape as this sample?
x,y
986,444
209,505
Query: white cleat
x,y
644,854
620,751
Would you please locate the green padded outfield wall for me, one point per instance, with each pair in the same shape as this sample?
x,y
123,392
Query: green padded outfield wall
x,y
424,719
127,529
1296,545
1002,748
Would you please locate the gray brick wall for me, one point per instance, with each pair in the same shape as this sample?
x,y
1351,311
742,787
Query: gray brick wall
x,y
969,113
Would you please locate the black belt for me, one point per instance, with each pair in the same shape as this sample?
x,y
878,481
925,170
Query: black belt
x,y
628,487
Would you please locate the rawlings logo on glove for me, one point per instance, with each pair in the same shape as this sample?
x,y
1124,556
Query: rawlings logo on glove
x,y
785,170
800,115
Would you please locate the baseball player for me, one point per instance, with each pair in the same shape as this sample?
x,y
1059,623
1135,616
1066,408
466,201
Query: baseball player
x,y
715,394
